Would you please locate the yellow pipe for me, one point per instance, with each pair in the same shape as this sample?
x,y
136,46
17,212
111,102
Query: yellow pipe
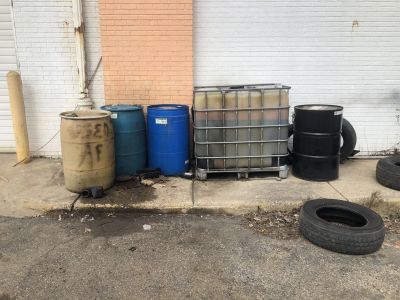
x,y
18,115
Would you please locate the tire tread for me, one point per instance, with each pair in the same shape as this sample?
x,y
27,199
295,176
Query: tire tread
x,y
334,238
388,173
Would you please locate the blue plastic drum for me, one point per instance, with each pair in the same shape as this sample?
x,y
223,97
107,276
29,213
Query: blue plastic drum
x,y
130,138
168,138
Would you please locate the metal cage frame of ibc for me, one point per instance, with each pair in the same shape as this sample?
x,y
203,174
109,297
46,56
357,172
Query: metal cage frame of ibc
x,y
201,173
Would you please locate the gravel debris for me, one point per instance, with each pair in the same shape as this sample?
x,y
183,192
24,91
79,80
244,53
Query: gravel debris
x,y
392,223
281,225
284,225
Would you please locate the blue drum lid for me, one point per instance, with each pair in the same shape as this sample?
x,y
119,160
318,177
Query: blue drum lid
x,y
168,107
121,107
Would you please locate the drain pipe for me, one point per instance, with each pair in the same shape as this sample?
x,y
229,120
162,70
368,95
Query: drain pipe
x,y
84,103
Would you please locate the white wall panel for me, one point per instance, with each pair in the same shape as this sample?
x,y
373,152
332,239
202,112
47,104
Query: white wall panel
x,y
8,61
336,52
46,51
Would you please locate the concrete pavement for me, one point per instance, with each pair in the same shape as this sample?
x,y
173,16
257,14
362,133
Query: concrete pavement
x,y
33,188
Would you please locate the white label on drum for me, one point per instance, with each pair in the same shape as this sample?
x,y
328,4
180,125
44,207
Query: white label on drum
x,y
339,112
186,162
114,116
162,121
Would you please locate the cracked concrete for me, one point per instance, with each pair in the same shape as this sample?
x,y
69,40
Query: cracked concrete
x,y
33,188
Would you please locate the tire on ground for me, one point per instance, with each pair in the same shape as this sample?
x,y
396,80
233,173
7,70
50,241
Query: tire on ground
x,y
388,172
341,226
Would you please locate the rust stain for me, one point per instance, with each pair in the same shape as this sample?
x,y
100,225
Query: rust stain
x,y
355,24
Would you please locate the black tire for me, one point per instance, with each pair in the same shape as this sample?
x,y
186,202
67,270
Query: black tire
x,y
388,172
341,226
349,137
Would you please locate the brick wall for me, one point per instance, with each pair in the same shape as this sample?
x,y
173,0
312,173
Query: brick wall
x,y
147,51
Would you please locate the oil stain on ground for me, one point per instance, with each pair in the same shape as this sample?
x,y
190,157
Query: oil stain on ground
x,y
125,193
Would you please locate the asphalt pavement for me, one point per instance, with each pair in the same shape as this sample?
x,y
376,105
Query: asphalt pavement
x,y
111,256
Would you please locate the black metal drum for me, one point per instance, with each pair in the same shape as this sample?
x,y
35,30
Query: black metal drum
x,y
316,141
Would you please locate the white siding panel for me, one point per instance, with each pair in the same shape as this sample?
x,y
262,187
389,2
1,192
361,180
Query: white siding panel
x,y
8,62
46,51
336,52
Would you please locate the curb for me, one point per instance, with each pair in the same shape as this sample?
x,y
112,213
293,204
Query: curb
x,y
384,207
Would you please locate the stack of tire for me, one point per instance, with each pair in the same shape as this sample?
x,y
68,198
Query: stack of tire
x,y
388,171
349,138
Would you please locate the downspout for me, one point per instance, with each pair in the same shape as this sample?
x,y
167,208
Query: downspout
x,y
84,101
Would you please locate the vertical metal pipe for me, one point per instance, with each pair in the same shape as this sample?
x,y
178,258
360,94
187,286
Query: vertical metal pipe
x,y
249,129
194,129
280,125
84,100
18,115
237,133
262,129
208,148
223,126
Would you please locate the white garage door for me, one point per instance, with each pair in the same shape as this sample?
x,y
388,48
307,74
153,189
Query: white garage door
x,y
8,62
329,51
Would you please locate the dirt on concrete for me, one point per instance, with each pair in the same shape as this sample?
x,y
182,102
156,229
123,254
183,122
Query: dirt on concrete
x,y
284,225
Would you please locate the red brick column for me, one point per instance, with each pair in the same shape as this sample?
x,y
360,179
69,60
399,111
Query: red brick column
x,y
147,51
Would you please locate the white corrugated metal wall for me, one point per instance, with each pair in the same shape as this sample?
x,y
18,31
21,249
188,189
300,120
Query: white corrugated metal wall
x,y
8,62
46,51
329,51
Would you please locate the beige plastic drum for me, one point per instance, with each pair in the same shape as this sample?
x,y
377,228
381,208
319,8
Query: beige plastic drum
x,y
87,146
